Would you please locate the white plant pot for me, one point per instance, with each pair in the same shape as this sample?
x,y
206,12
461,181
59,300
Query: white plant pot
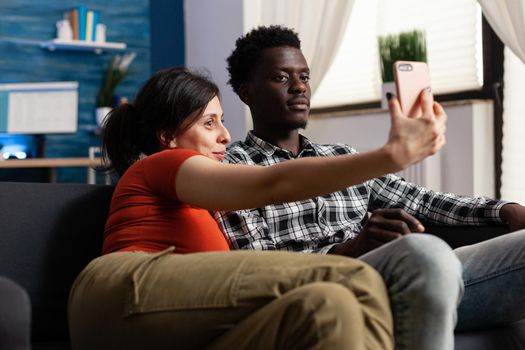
x,y
100,115
387,87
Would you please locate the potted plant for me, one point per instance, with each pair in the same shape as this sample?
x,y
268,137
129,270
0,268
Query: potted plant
x,y
117,70
405,46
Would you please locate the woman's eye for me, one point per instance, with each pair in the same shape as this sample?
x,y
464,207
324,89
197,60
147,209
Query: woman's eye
x,y
209,123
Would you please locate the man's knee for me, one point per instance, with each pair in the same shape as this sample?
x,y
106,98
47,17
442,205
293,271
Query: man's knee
x,y
434,270
430,255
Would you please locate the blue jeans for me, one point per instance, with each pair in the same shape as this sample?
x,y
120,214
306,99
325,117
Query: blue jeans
x,y
494,277
423,277
425,281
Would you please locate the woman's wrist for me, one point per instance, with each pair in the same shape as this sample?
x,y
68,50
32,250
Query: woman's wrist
x,y
390,155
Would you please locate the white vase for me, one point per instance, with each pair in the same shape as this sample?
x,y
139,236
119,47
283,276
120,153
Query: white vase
x,y
387,87
100,115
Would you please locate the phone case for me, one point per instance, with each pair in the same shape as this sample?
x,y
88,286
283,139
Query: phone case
x,y
411,78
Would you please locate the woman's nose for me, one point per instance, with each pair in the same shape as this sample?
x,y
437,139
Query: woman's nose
x,y
224,136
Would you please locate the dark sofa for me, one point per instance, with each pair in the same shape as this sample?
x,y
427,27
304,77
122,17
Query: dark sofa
x,y
51,231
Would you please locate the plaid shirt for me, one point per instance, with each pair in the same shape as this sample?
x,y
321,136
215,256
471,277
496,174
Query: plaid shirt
x,y
316,224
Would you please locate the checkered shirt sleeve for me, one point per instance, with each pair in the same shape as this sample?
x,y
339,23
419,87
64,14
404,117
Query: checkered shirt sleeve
x,y
316,224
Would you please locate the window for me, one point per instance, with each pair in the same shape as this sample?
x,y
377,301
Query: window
x,y
453,33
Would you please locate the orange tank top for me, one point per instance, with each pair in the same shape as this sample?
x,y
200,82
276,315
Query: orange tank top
x,y
146,215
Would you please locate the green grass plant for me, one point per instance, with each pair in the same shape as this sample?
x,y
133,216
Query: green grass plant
x,y
405,46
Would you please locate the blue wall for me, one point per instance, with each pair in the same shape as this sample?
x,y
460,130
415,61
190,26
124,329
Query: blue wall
x,y
25,23
167,33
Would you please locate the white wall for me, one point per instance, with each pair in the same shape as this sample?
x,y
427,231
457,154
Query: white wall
x,y
211,28
466,163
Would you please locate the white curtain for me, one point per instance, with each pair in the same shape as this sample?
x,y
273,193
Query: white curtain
x,y
513,152
507,19
320,24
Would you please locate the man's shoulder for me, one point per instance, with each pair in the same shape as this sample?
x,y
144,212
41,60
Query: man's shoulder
x,y
240,152
333,149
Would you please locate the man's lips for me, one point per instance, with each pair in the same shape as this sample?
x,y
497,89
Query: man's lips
x,y
298,104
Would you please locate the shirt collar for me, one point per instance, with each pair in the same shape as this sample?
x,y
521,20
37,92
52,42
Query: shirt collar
x,y
267,148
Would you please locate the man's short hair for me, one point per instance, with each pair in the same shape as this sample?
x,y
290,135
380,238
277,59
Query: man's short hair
x,y
248,51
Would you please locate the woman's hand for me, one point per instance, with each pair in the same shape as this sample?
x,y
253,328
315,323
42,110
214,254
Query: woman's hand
x,y
412,139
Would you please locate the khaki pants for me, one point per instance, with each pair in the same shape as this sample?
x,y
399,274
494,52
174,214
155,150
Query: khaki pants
x,y
229,300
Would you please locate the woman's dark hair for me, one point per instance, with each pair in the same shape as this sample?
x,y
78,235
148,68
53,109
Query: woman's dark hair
x,y
248,50
168,103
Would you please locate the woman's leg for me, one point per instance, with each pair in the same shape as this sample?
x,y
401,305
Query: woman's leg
x,y
134,300
319,315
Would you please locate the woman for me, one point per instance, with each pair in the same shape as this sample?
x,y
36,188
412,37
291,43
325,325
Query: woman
x,y
166,279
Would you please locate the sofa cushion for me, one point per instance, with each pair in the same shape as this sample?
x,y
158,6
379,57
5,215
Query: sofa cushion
x,y
49,233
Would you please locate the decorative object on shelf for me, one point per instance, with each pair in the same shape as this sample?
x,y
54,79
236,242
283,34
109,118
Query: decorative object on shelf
x,y
100,115
64,30
117,70
405,46
100,31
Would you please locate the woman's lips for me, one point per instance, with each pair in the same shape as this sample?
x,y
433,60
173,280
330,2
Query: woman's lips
x,y
219,155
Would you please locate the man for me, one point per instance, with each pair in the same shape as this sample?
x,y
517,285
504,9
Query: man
x,y
423,275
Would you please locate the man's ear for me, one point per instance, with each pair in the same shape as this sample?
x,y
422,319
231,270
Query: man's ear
x,y
245,94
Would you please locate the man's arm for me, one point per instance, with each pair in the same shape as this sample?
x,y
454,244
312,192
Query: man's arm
x,y
383,226
390,191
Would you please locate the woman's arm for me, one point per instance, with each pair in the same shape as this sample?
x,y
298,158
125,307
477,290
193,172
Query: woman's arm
x,y
212,185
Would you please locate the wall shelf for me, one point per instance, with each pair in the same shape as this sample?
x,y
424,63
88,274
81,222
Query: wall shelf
x,y
80,45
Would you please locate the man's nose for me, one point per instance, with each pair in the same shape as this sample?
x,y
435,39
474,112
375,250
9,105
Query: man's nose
x,y
298,86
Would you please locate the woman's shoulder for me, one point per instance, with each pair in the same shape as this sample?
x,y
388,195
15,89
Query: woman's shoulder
x,y
166,159
171,155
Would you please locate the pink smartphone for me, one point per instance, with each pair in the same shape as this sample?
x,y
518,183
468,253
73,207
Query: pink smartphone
x,y
411,78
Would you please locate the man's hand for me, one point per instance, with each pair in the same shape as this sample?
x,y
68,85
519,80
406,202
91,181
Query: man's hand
x,y
514,215
383,226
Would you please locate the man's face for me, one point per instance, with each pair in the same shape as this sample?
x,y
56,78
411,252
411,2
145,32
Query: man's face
x,y
278,93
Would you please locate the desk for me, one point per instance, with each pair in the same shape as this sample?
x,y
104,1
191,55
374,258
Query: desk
x,y
53,164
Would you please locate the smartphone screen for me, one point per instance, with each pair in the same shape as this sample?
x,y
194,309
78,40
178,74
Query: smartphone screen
x,y
411,78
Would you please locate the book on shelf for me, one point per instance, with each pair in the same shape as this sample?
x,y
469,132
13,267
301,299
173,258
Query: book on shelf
x,y
91,24
83,23
72,16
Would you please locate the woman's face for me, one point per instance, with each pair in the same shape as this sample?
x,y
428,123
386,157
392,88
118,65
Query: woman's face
x,y
207,135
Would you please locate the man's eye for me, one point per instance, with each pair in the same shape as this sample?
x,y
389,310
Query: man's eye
x,y
305,78
281,78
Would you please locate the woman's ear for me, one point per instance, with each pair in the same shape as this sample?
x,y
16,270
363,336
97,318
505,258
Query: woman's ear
x,y
245,94
167,143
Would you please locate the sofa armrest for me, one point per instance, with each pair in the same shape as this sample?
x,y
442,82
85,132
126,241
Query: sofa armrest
x,y
457,236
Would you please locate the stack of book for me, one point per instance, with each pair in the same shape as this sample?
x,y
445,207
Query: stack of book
x,y
83,23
